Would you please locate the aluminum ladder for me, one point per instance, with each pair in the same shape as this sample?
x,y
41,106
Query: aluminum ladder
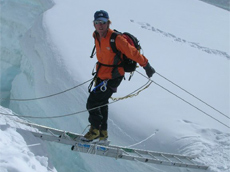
x,y
113,151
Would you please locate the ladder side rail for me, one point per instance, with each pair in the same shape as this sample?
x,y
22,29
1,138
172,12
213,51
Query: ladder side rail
x,y
136,158
49,129
153,152
112,152
168,162
53,138
119,151
43,128
180,162
160,162
168,154
126,156
142,159
61,132
177,164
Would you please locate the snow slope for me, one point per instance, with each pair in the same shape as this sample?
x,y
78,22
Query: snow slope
x,y
182,41
19,149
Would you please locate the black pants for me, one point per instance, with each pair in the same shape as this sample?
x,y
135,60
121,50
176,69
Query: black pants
x,y
98,116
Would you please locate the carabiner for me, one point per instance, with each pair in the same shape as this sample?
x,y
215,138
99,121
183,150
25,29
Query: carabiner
x,y
103,88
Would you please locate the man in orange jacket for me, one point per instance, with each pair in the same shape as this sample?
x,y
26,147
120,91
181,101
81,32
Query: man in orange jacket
x,y
108,74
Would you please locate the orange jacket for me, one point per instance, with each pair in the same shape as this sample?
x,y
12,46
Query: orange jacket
x,y
105,55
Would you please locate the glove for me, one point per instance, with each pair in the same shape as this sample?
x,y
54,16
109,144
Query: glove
x,y
149,70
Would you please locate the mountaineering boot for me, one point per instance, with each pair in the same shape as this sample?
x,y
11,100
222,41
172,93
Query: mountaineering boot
x,y
103,135
103,139
92,134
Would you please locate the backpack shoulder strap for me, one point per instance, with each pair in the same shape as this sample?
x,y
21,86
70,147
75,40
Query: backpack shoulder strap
x,y
112,41
93,51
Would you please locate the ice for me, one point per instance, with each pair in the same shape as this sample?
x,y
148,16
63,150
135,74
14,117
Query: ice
x,y
45,49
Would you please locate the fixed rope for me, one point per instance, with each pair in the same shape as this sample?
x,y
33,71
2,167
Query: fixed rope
x,y
44,97
193,96
136,92
71,114
185,101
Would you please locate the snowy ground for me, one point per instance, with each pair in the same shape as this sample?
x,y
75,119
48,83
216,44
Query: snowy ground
x,y
187,42
17,152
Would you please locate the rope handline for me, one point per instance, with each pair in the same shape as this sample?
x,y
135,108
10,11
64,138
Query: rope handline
x,y
30,99
119,100
193,96
58,116
186,101
70,114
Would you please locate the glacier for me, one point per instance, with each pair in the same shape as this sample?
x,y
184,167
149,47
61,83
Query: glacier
x,y
14,25
48,51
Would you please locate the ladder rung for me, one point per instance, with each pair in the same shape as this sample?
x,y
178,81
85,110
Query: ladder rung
x,y
138,153
153,156
166,158
177,158
190,160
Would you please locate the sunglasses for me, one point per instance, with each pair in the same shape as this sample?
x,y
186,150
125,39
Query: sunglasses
x,y
100,22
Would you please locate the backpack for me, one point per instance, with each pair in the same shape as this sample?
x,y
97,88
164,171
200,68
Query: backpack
x,y
128,64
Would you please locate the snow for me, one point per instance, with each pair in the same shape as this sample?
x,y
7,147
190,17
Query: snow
x,y
16,150
186,42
